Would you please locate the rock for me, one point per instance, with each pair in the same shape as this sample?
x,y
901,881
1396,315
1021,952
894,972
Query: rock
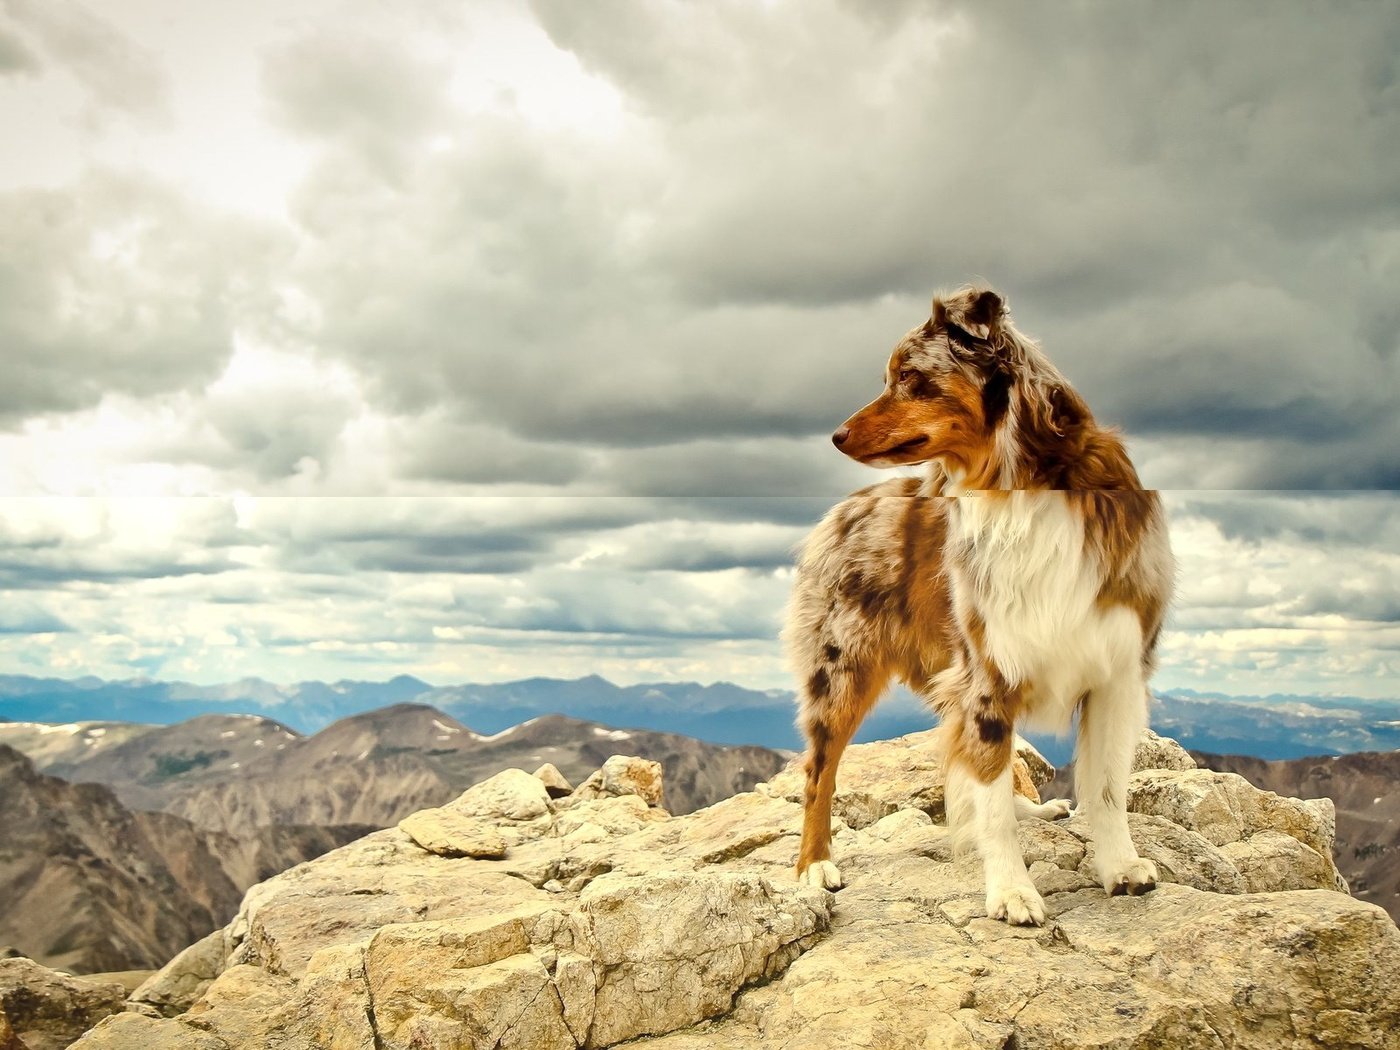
x,y
636,956
175,987
874,780
8,1039
1182,856
1160,752
333,1007
622,775
136,1032
1224,807
486,990
511,794
1021,781
1038,770
690,933
672,949
1271,861
450,834
47,1010
345,896
554,781
605,818
248,1006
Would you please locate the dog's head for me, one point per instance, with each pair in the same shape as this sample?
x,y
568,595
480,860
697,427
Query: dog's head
x,y
946,390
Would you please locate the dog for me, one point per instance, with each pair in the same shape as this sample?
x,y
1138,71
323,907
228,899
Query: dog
x,y
1023,579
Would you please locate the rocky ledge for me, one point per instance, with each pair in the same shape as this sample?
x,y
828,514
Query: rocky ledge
x,y
522,917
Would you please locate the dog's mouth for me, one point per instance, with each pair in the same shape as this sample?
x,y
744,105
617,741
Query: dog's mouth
x,y
902,449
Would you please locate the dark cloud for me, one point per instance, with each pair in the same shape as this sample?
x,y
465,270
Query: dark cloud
x,y
15,55
275,432
1173,211
438,449
117,73
367,93
482,551
1362,520
1370,600
88,566
776,467
118,285
18,616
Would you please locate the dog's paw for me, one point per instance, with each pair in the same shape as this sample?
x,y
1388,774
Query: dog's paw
x,y
1137,877
1018,905
1056,808
822,874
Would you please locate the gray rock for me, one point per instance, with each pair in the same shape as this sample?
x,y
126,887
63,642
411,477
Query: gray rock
x,y
637,956
1224,807
669,950
1271,861
511,794
46,1009
136,1032
1160,752
623,775
880,778
174,988
450,834
554,781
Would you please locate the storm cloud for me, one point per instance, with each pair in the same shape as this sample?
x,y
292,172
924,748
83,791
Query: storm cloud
x,y
461,335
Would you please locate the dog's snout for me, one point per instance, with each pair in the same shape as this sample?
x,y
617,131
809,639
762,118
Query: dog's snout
x,y
839,438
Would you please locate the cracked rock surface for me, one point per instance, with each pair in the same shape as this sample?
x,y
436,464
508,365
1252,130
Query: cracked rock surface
x,y
608,921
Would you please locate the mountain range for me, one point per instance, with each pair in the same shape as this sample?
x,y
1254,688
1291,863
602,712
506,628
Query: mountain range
x,y
1275,727
239,773
87,884
125,842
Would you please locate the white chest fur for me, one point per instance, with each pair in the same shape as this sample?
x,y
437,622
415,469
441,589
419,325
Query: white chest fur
x,y
1022,566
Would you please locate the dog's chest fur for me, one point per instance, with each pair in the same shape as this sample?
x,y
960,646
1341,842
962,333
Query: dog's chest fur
x,y
1021,566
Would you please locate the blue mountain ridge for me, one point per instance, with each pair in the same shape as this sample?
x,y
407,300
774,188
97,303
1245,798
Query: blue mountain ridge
x,y
1276,726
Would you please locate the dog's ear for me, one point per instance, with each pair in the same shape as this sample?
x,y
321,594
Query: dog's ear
x,y
977,311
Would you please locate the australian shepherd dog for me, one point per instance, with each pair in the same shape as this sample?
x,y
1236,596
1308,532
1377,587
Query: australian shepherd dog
x,y
1022,579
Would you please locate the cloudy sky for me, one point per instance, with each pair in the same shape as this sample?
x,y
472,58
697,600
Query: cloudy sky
x,y
478,339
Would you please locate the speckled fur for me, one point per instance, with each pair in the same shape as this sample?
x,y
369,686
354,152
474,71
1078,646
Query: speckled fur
x,y
1023,579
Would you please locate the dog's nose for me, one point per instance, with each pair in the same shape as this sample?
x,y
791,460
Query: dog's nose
x,y
839,438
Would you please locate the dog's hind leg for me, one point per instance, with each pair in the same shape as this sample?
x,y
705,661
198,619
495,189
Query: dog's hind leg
x,y
1110,721
836,701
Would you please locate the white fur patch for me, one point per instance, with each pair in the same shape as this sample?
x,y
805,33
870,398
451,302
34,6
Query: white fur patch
x,y
823,874
1026,571
985,815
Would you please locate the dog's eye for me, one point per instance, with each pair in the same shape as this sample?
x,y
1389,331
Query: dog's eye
x,y
906,374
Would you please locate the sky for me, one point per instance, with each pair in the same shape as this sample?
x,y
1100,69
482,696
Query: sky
x,y
478,339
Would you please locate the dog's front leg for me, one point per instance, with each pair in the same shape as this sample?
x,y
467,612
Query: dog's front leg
x,y
979,717
988,818
1110,722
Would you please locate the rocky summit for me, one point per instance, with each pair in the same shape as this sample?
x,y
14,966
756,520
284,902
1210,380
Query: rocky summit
x,y
521,918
